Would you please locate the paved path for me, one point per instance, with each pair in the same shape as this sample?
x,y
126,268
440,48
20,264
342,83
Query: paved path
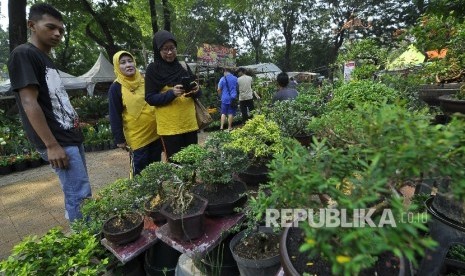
x,y
31,202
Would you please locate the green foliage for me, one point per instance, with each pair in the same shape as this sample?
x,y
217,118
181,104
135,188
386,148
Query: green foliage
x,y
293,116
56,254
408,86
356,93
436,32
259,138
393,146
364,52
91,108
220,162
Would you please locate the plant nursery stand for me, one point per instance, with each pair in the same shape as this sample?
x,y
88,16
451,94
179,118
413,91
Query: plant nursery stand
x,y
214,229
127,252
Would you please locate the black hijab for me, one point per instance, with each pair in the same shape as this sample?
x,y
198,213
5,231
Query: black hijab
x,y
167,73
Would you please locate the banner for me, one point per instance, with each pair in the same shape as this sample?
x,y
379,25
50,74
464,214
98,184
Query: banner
x,y
216,56
348,68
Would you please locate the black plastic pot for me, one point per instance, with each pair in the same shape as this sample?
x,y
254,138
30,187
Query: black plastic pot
x,y
186,227
255,175
20,166
444,231
446,204
430,93
4,170
247,267
451,105
161,259
304,140
224,207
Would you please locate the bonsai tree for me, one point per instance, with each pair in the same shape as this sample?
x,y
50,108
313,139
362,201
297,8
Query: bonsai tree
x,y
219,163
259,139
293,116
395,145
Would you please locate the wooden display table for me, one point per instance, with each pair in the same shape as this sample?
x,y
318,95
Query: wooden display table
x,y
129,251
214,229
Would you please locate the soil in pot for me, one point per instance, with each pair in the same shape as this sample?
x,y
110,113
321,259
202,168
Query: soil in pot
x,y
152,209
387,264
223,199
257,253
125,228
187,226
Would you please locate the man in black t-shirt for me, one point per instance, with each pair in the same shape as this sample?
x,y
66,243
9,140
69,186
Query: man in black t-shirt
x,y
50,122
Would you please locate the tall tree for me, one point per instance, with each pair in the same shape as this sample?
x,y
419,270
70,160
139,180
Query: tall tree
x,y
17,22
252,21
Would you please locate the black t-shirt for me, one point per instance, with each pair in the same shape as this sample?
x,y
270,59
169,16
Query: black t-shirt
x,y
30,66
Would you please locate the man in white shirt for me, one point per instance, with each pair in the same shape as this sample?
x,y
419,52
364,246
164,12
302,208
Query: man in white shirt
x,y
245,94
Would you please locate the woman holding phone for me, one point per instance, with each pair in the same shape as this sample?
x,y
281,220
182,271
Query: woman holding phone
x,y
165,81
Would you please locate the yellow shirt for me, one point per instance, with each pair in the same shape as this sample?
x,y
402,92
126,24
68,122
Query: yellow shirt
x,y
177,117
139,122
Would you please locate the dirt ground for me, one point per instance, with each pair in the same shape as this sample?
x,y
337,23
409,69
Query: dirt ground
x,y
31,202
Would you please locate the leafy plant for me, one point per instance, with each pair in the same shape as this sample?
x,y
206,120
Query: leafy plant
x,y
259,138
293,116
57,254
393,146
438,32
90,108
219,163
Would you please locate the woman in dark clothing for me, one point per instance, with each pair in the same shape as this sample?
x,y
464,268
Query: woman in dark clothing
x,y
174,104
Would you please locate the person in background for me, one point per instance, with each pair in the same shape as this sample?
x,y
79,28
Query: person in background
x,y
174,103
227,90
292,83
50,122
132,120
245,94
284,92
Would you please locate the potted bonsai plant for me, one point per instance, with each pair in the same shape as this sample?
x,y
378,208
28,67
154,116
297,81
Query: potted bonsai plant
x,y
183,209
364,176
154,176
293,116
215,169
259,139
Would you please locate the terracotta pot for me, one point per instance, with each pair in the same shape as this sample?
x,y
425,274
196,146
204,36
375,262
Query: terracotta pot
x,y
135,226
186,227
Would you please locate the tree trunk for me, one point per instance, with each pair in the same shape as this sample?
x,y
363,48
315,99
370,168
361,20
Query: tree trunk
x,y
17,30
166,15
153,19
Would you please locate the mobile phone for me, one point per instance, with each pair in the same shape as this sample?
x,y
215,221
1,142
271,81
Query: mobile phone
x,y
188,84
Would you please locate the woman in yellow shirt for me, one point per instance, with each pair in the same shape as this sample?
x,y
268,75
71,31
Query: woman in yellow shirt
x,y
174,105
132,120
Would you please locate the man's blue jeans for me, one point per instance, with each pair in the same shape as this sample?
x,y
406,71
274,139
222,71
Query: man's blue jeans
x,y
74,181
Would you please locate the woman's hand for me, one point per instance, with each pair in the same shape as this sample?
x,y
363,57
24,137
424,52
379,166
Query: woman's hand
x,y
193,91
178,90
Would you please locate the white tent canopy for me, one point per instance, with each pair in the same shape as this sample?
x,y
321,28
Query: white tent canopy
x,y
102,71
69,81
264,70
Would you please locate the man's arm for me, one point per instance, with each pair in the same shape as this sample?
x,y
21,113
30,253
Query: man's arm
x,y
56,154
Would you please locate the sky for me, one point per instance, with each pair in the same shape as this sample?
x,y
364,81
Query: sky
x,y
4,14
